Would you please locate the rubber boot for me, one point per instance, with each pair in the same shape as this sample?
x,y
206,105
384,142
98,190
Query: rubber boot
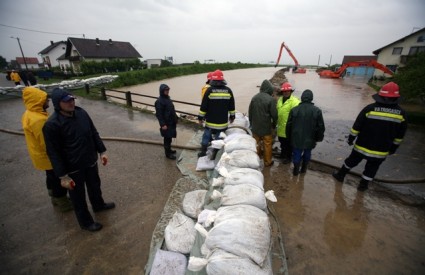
x,y
296,170
363,186
304,167
63,203
214,154
340,174
203,151
169,154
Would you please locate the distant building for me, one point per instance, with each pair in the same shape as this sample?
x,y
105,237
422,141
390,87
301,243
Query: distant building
x,y
152,63
52,52
81,49
32,63
395,54
360,71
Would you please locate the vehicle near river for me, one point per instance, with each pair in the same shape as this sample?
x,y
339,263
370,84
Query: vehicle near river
x,y
364,63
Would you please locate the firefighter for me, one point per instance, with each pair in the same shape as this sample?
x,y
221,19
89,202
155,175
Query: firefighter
x,y
376,133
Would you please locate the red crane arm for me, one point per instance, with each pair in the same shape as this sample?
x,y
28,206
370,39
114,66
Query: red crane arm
x,y
289,52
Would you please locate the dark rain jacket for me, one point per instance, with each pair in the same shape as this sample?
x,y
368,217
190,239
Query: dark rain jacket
x,y
305,123
262,111
218,105
379,128
72,143
165,113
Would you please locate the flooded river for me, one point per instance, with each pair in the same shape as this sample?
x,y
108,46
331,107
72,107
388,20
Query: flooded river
x,y
329,227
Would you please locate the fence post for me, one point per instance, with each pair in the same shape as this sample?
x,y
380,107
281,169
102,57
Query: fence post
x,y
87,86
128,99
103,93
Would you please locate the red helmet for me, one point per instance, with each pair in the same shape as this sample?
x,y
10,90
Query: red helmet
x,y
390,90
217,75
286,87
209,76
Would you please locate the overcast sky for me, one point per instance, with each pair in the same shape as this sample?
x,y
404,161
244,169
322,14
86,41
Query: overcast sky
x,y
223,30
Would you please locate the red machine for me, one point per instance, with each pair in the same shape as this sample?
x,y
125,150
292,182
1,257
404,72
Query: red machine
x,y
363,63
296,69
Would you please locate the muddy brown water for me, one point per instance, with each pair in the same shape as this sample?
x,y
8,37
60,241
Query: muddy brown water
x,y
328,227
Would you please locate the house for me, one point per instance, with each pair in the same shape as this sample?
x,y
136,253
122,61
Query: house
x,y
52,52
82,49
152,63
29,63
395,54
361,71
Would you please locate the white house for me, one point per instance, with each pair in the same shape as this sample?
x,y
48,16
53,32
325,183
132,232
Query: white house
x,y
30,62
51,54
152,63
396,54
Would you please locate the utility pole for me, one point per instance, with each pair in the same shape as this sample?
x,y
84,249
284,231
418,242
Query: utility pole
x,y
22,52
330,61
318,62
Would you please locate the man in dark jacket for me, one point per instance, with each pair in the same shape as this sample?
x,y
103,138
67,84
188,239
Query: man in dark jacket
x,y
73,145
217,109
167,118
305,127
377,132
262,115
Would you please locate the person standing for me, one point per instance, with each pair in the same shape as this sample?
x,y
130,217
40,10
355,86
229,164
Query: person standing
x,y
262,114
14,76
284,105
304,128
167,118
207,85
33,119
217,109
376,133
73,145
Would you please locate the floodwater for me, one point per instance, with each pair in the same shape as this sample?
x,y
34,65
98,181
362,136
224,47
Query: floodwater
x,y
329,227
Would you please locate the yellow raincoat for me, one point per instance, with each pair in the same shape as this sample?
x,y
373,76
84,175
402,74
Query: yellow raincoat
x,y
32,122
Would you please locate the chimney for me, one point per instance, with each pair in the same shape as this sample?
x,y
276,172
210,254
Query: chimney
x,y
51,42
97,42
110,41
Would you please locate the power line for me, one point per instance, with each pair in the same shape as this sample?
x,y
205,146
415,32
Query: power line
x,y
82,34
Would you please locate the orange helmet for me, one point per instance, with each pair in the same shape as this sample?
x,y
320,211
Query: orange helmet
x,y
209,76
286,87
390,90
217,75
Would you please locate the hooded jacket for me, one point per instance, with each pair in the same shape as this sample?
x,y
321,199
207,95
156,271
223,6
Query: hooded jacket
x,y
283,109
33,121
262,111
72,143
305,123
165,113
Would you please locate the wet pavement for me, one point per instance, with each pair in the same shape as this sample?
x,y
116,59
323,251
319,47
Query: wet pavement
x,y
328,227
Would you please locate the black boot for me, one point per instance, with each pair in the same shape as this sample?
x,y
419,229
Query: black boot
x,y
304,167
173,151
214,154
296,169
168,153
340,174
363,186
203,151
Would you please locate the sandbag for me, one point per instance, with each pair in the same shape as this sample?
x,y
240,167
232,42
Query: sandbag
x,y
243,194
168,262
242,176
180,233
239,159
243,142
193,203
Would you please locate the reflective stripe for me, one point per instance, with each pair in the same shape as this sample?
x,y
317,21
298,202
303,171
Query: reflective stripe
x,y
397,141
370,153
232,112
219,96
201,113
385,116
216,126
367,178
354,132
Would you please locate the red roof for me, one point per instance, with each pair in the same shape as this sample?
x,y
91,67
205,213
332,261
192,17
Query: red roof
x,y
29,60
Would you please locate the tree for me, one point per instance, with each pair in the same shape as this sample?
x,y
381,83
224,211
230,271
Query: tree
x,y
3,62
411,78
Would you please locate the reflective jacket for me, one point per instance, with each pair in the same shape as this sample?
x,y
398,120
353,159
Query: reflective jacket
x,y
379,129
14,76
283,109
33,121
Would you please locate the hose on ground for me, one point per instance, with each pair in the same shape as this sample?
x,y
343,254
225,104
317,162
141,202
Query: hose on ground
x,y
154,142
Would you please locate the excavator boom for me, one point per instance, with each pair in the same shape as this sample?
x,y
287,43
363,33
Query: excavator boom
x,y
363,63
296,69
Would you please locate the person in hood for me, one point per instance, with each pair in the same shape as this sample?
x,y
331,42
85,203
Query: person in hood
x,y
35,116
376,133
14,76
305,127
167,118
73,145
262,114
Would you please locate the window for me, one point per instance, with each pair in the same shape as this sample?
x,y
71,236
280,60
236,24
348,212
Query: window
x,y
392,67
421,38
397,50
416,50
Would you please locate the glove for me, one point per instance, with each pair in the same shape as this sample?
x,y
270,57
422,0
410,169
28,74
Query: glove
x,y
104,159
231,118
67,182
351,139
393,148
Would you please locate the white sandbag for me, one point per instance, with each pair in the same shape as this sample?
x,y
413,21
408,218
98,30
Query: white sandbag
x,y
244,236
231,131
205,163
243,194
217,144
239,159
193,203
221,262
207,217
238,212
242,176
243,142
168,262
180,233
234,136
240,120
